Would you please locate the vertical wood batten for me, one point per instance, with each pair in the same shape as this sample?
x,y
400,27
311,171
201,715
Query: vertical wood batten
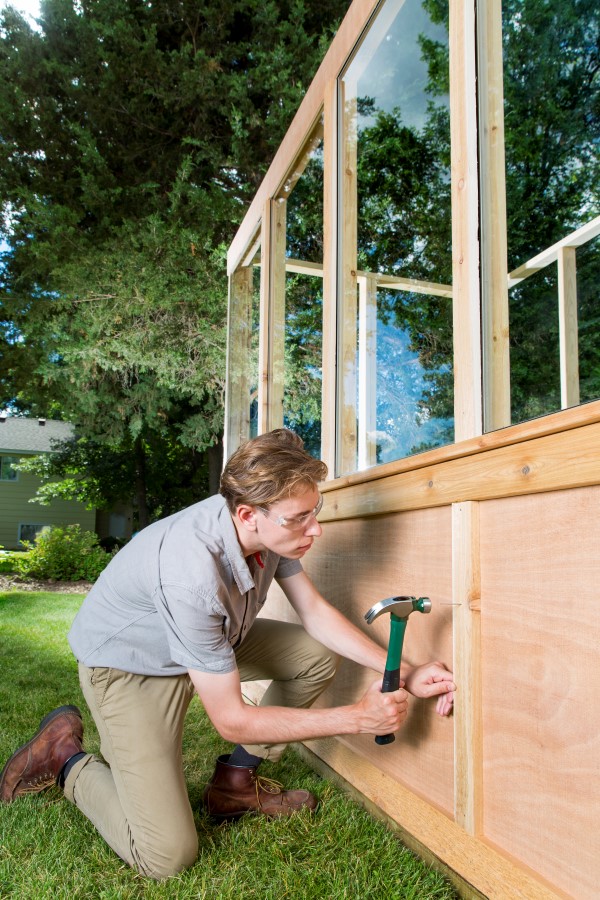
x,y
494,253
367,370
568,327
239,336
272,317
347,307
466,591
330,202
277,312
465,222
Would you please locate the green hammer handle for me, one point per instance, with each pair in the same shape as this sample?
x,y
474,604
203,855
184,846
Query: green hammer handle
x,y
391,676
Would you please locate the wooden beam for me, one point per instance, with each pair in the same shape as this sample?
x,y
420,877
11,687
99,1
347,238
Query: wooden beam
x,y
495,875
347,438
272,317
465,222
367,371
494,265
330,277
468,731
550,463
568,327
239,337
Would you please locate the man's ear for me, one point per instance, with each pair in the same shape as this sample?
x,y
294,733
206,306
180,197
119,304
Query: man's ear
x,y
246,515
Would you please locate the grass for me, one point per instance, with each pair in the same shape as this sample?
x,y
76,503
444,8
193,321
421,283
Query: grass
x,y
49,850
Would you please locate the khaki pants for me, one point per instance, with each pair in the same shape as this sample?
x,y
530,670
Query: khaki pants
x,y
139,802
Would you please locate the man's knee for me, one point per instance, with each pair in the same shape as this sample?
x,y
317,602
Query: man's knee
x,y
176,853
324,663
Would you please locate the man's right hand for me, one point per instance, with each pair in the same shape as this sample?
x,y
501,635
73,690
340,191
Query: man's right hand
x,y
382,713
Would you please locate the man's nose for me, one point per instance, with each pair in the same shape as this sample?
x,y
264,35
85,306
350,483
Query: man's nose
x,y
313,528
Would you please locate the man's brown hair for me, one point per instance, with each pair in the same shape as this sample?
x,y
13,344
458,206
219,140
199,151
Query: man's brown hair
x,y
268,468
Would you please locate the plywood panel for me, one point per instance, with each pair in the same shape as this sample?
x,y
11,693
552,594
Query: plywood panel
x,y
540,577
355,564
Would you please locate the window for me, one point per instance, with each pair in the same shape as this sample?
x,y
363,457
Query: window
x,y
395,288
546,308
7,470
28,531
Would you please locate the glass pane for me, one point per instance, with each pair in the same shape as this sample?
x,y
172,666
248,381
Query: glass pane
x,y
304,304
552,136
397,140
253,361
588,308
7,470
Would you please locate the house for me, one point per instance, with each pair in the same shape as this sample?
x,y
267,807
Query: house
x,y
413,290
21,520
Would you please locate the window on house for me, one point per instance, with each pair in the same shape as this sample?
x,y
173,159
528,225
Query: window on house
x,y
28,531
7,468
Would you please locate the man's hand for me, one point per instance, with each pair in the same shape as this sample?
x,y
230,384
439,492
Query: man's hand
x,y
381,713
432,680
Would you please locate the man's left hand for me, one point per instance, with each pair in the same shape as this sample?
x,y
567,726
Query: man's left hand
x,y
432,680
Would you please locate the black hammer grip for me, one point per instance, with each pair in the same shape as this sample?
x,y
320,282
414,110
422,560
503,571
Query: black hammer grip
x,y
391,682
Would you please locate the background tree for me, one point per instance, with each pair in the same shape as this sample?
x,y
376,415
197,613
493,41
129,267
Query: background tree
x,y
132,136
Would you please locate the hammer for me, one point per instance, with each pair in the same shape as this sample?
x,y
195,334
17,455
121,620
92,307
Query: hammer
x,y
400,609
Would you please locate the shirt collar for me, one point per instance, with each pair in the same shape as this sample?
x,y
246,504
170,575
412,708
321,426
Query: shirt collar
x,y
239,567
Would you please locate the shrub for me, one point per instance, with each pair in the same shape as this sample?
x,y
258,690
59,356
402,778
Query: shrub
x,y
8,558
63,554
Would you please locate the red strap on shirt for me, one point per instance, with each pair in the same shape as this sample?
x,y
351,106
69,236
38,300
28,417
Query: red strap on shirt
x,y
258,559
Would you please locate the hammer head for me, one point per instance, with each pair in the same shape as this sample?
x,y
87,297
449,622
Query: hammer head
x,y
400,606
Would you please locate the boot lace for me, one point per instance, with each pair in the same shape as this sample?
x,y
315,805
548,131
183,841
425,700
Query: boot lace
x,y
268,785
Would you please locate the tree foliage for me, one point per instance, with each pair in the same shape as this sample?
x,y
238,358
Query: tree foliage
x,y
132,136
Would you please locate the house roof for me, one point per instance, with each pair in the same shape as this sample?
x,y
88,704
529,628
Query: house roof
x,y
28,435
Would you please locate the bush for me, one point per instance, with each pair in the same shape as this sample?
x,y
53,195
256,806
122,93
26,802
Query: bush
x,y
7,561
63,554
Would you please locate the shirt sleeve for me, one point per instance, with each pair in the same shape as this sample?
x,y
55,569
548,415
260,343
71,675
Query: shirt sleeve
x,y
196,630
287,567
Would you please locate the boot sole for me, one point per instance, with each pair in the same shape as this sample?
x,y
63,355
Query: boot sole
x,y
59,711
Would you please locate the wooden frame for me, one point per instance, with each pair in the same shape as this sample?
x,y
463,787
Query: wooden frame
x,y
493,475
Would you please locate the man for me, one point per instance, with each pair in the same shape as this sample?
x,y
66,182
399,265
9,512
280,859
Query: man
x,y
175,612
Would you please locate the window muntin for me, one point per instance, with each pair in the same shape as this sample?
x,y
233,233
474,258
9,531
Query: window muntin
x,y
395,309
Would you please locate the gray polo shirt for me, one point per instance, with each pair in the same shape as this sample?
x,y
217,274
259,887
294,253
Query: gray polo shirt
x,y
179,596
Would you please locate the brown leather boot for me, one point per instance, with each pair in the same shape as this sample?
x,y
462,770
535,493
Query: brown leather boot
x,y
38,763
235,790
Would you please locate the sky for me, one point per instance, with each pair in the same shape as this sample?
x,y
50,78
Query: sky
x,y
28,7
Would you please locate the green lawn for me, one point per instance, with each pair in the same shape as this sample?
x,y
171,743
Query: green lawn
x,y
48,849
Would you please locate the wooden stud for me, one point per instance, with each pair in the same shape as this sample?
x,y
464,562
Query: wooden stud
x,y
330,277
568,327
239,337
272,317
367,371
466,595
347,443
494,265
465,221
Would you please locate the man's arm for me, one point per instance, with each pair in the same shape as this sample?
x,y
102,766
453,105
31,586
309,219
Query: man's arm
x,y
240,723
327,625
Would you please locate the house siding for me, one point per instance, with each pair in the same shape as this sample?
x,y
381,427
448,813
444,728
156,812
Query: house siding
x,y
16,509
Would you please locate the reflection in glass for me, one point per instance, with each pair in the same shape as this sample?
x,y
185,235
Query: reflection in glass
x,y
304,304
253,361
398,308
552,141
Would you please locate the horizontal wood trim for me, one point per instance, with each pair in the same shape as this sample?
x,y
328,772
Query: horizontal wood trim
x,y
552,462
559,422
496,876
302,124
